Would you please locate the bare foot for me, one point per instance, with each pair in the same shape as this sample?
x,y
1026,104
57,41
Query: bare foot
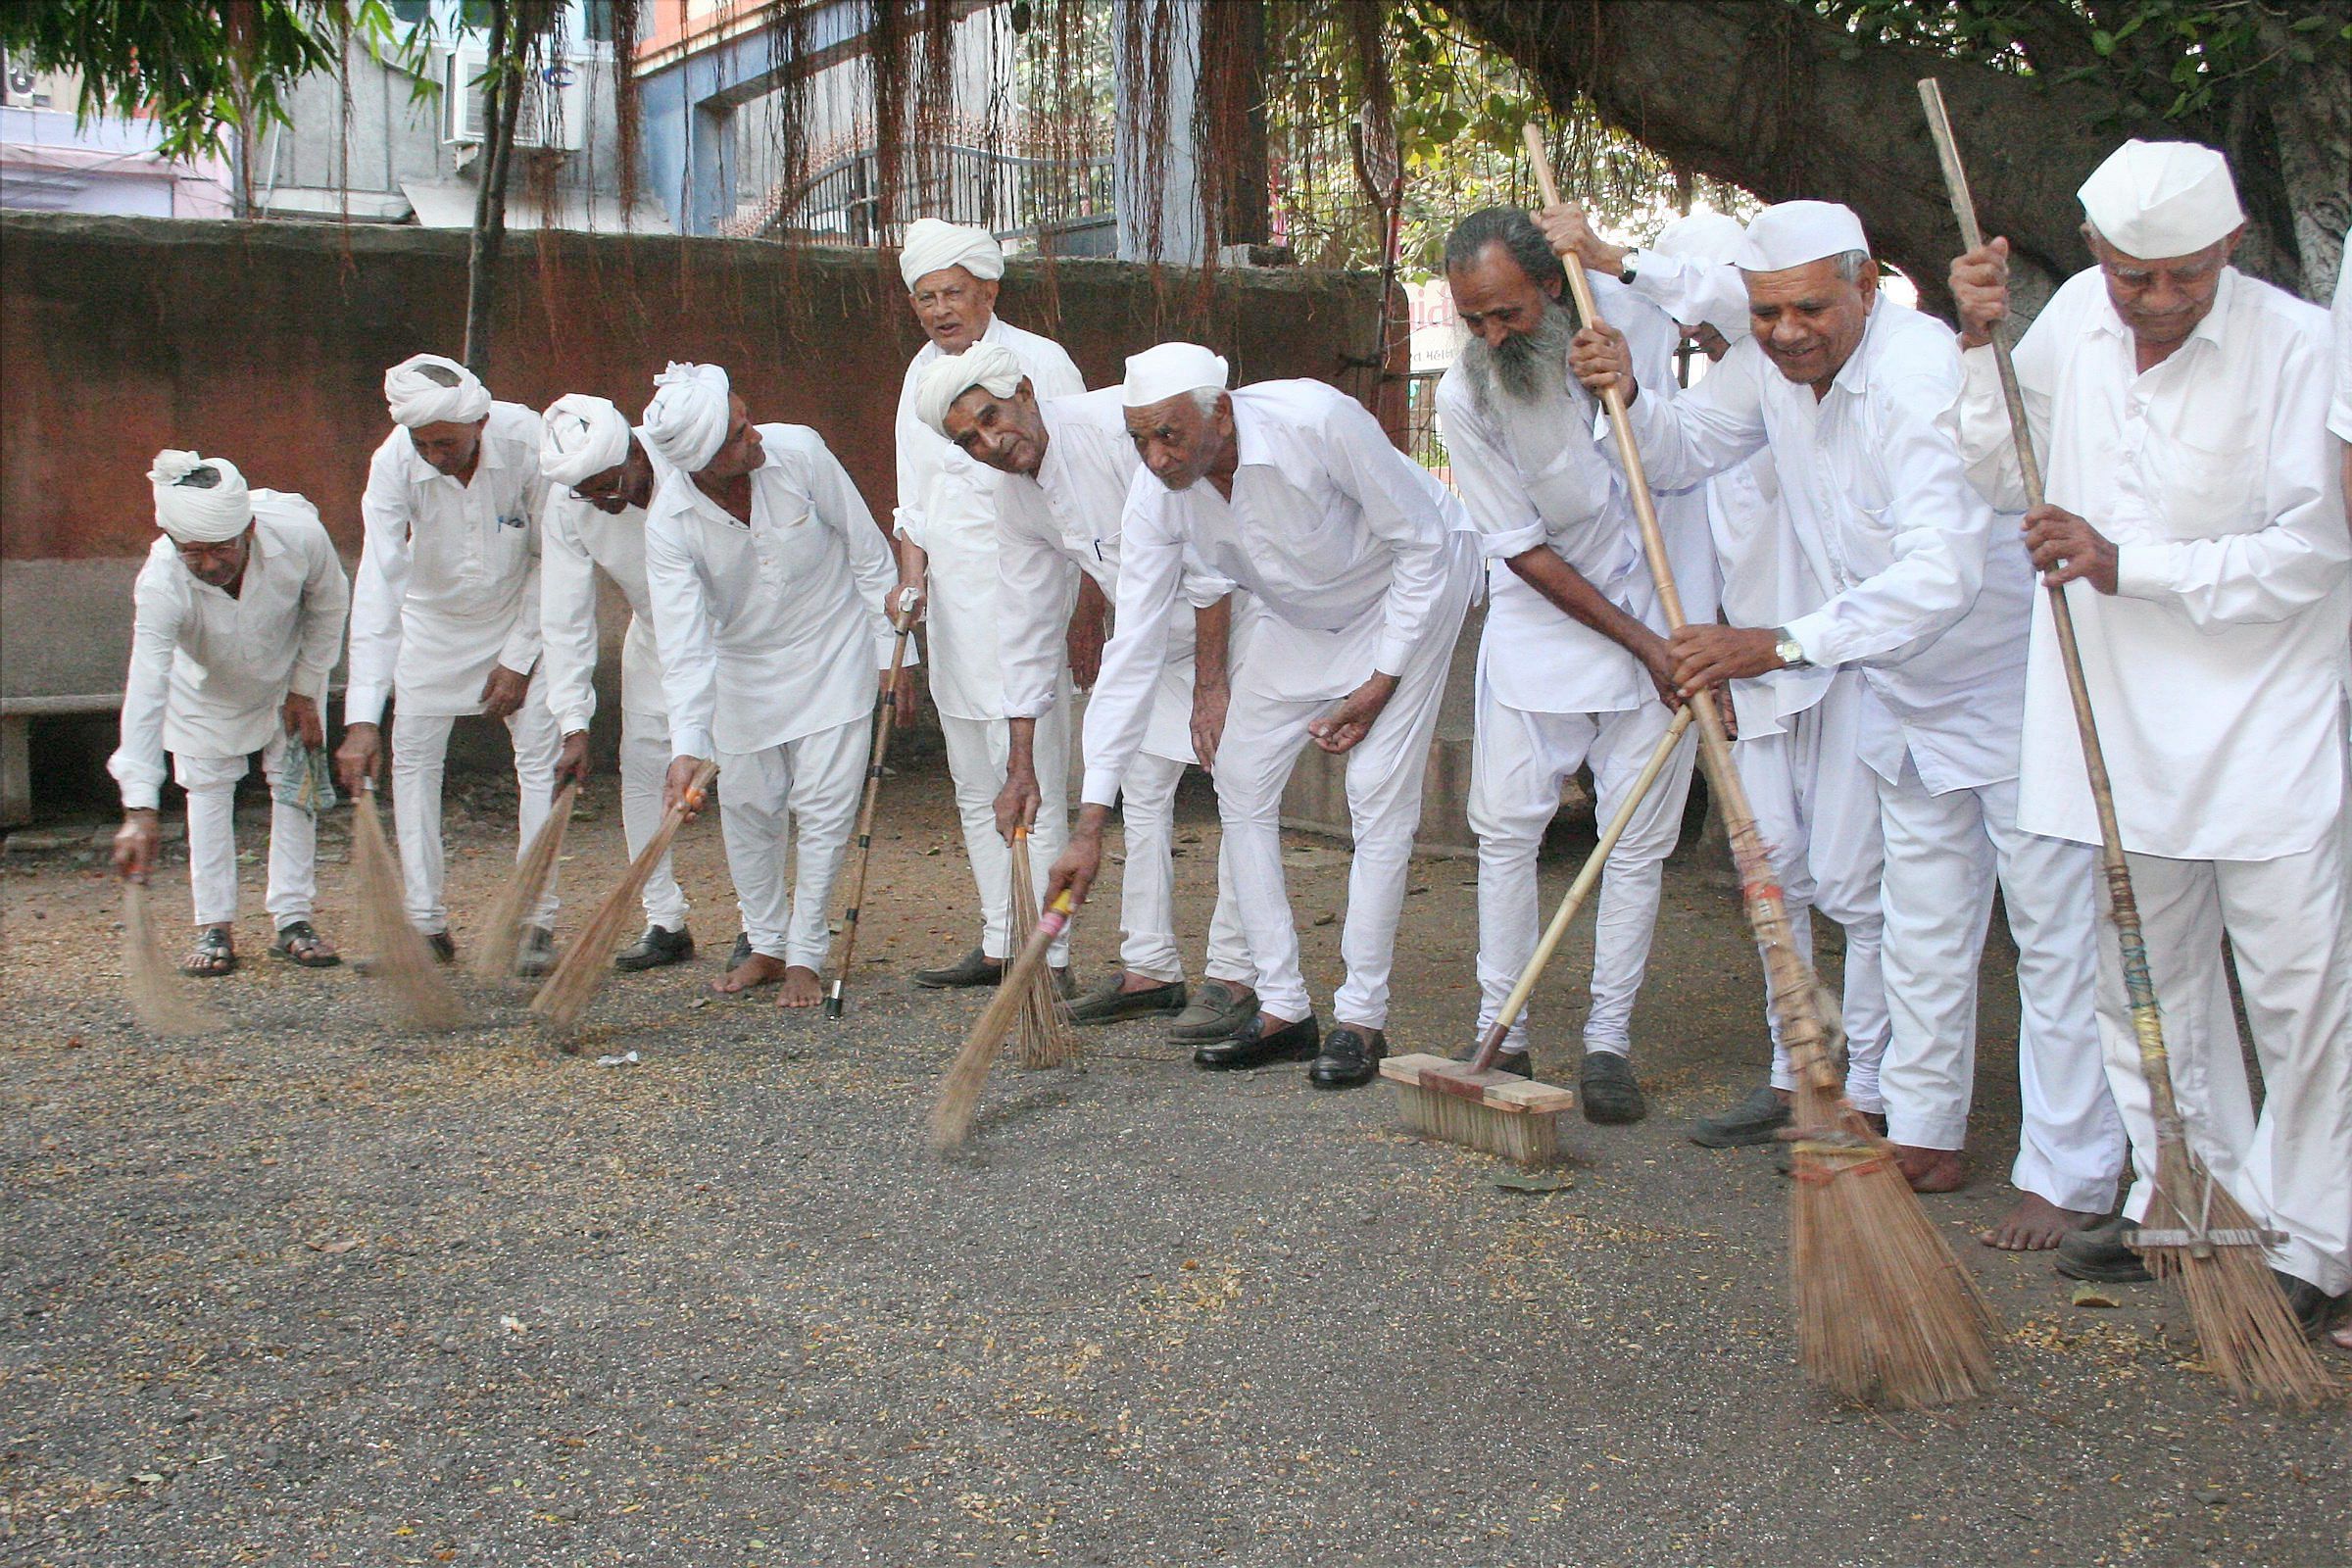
x,y
802,987
757,970
2035,1225
1932,1170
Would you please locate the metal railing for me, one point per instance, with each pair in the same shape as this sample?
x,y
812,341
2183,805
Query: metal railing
x,y
1007,194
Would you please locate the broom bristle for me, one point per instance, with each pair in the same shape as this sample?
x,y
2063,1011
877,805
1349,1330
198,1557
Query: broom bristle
x,y
2244,1328
398,955
959,1090
1524,1137
1043,1028
495,958
156,997
568,990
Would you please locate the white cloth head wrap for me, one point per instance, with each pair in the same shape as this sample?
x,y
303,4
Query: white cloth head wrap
x,y
1792,233
931,245
208,516
687,420
1711,238
582,436
2157,198
987,365
1170,370
417,399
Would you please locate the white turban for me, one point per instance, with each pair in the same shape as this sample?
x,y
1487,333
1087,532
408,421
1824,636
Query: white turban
x,y
687,420
1711,239
985,365
417,399
931,245
193,515
2157,198
582,436
1170,370
1792,233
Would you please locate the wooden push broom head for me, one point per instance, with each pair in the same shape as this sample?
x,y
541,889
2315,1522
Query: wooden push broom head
x,y
573,985
959,1090
156,998
399,959
494,959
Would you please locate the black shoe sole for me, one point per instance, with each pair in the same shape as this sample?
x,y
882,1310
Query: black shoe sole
x,y
1333,1082
1122,1012
2134,1273
934,982
1747,1136
629,965
1601,1117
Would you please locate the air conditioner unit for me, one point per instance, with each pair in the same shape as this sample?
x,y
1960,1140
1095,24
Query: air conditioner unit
x,y
554,103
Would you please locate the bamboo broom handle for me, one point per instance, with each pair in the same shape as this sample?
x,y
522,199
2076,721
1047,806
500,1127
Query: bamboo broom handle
x,y
2139,985
865,815
1800,1026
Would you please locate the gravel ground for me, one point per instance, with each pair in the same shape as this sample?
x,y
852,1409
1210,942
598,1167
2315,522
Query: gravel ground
x,y
317,1290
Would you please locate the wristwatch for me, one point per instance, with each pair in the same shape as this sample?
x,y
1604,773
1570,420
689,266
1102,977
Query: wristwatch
x,y
1625,269
1790,652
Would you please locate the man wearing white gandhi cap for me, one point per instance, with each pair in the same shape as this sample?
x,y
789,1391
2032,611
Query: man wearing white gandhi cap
x,y
1361,564
600,477
1064,469
1854,396
771,587
445,619
2193,513
237,614
946,527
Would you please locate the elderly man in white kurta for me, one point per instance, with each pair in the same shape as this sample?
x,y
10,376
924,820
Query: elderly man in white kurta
x,y
1361,565
599,478
237,615
2179,411
771,587
1063,467
1855,397
1573,667
445,619
1797,746
947,532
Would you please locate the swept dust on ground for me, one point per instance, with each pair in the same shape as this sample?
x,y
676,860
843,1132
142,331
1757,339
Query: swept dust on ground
x,y
315,1292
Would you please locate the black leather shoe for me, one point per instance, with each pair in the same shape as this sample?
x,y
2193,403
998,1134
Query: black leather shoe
x,y
1253,1047
1518,1063
1219,1009
974,969
1350,1058
1757,1119
1108,1003
442,945
537,955
2097,1253
2314,1309
1606,1085
657,947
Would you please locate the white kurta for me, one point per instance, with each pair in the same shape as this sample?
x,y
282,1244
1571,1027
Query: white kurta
x,y
2219,668
2339,403
210,673
771,630
448,584
947,510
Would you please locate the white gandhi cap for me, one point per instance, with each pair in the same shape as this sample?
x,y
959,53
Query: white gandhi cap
x,y
1170,370
2157,198
1794,233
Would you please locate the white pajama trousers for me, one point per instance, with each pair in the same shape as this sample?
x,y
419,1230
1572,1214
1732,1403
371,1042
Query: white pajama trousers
x,y
419,758
1148,884
644,771
1817,806
978,750
212,785
2290,926
805,791
1518,763
1943,856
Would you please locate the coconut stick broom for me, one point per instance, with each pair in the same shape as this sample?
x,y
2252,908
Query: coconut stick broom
x,y
2195,1232
574,983
1043,1030
866,817
959,1091
1499,1112
397,954
495,958
156,997
1883,1310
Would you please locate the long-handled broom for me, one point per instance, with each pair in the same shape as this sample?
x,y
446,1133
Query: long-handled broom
x,y
959,1091
1883,1310
397,954
883,726
1499,1112
1042,1029
2195,1232
156,997
568,990
494,959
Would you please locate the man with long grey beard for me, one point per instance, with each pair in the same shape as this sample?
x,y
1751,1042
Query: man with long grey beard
x,y
1573,667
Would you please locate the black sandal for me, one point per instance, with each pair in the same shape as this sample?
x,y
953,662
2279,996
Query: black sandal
x,y
298,942
212,956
